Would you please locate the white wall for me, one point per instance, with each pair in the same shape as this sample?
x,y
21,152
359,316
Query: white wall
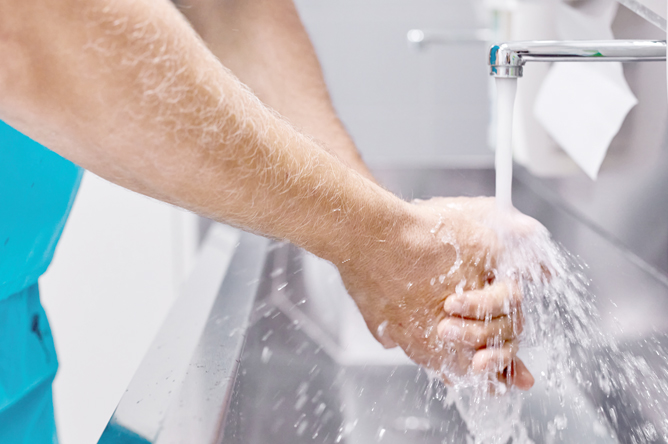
x,y
401,106
111,283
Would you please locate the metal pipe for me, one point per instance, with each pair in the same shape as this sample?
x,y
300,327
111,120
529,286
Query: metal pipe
x,y
508,59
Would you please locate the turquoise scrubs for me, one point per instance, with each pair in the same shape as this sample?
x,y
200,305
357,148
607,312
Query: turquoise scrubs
x,y
37,190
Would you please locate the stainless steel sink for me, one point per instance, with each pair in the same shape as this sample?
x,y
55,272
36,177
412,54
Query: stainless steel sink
x,y
274,351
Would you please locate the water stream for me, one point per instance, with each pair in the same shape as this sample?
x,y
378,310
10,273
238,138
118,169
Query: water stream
x,y
505,101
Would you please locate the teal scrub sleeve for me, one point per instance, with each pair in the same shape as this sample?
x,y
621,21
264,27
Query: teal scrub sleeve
x,y
37,190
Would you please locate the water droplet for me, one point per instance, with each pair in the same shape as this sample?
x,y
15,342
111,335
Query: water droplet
x,y
301,425
301,401
319,409
266,355
266,335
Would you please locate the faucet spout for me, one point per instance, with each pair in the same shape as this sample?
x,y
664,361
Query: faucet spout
x,y
508,59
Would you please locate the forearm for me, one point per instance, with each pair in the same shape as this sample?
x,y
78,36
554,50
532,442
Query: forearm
x,y
264,43
126,90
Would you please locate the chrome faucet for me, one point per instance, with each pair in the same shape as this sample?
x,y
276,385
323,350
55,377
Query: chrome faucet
x,y
507,59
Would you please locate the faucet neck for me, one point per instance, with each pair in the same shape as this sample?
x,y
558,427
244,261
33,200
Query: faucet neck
x,y
508,59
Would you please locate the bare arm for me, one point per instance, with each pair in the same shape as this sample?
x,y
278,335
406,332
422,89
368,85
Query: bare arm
x,y
266,46
126,89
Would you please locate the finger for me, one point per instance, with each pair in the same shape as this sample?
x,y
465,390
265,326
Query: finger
x,y
386,342
498,299
520,376
478,334
494,360
503,363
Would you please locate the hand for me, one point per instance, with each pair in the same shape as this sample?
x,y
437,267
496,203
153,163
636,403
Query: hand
x,y
433,288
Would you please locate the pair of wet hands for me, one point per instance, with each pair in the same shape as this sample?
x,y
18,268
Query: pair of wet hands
x,y
481,329
438,292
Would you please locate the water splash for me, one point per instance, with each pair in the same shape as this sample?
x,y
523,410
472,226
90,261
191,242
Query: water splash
x,y
629,382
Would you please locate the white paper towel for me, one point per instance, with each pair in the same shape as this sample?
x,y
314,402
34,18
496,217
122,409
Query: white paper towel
x,y
583,105
585,114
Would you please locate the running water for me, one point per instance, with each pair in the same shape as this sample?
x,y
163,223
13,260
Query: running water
x,y
505,101
561,323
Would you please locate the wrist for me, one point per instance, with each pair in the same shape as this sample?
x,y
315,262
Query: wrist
x,y
377,217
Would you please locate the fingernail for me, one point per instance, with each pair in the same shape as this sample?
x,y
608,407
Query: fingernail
x,y
524,380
